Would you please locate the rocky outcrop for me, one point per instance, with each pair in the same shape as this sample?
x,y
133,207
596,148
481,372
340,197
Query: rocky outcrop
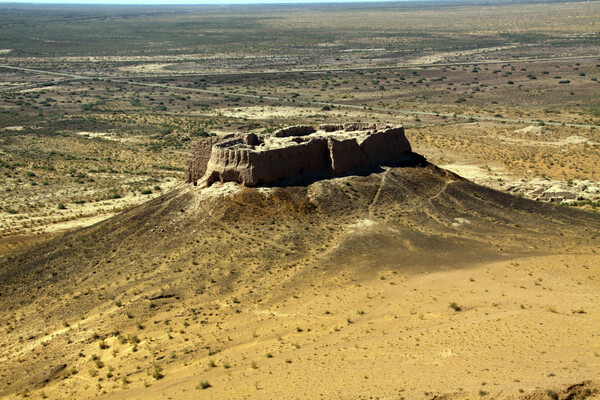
x,y
556,191
297,152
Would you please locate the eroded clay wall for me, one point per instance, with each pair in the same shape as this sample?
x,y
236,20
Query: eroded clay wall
x,y
334,150
259,167
196,165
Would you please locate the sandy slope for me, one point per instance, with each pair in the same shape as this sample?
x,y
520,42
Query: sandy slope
x,y
338,289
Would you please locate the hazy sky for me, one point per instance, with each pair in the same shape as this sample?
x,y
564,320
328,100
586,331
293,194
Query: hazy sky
x,y
181,1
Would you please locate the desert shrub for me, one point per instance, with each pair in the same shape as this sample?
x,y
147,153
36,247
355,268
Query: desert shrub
x,y
157,372
203,385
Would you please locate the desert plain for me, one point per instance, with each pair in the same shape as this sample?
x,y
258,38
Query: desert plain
x,y
476,280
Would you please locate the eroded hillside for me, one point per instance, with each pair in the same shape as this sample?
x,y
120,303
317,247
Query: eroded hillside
x,y
346,281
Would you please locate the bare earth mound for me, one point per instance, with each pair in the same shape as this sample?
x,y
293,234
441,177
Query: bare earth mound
x,y
405,282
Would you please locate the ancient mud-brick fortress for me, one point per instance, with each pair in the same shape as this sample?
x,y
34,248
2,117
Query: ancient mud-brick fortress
x,y
296,152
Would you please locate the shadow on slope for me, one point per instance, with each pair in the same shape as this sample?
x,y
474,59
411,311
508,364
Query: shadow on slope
x,y
197,246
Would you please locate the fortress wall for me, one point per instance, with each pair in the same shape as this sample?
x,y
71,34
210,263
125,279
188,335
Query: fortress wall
x,y
289,162
334,150
296,130
345,155
256,166
228,165
196,165
353,126
385,146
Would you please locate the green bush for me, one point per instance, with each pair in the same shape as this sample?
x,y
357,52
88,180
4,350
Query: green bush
x,y
203,385
157,372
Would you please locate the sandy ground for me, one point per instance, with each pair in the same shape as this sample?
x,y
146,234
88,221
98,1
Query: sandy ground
x,y
500,329
524,324
238,309
453,55
74,216
107,136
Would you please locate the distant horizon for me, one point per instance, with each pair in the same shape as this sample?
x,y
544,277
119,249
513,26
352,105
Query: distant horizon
x,y
165,3
245,2
201,2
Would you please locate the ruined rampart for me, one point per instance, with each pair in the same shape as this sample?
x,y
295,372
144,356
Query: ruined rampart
x,y
296,152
